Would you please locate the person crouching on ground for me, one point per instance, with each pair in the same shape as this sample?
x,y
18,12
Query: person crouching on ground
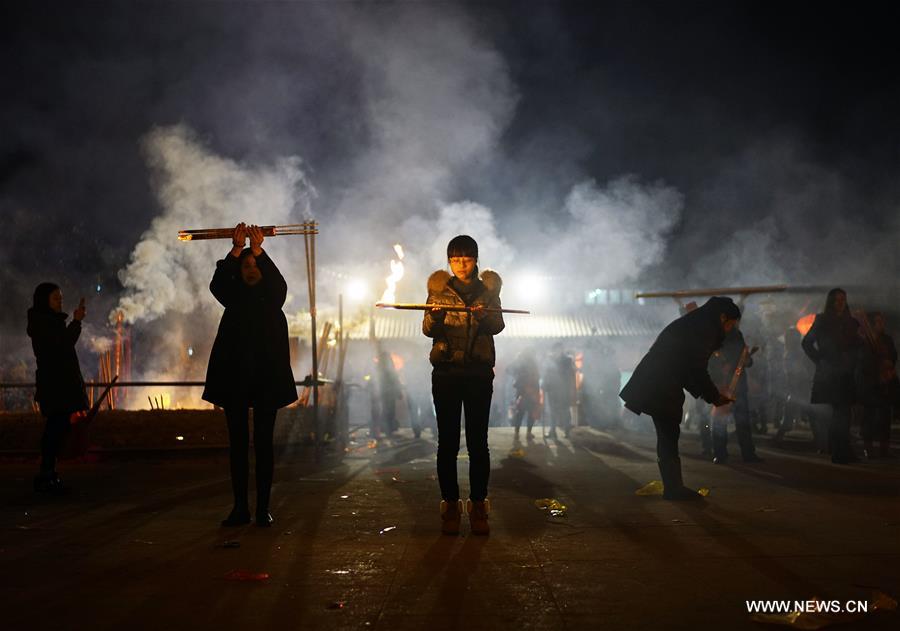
x,y
250,366
60,387
676,362
462,354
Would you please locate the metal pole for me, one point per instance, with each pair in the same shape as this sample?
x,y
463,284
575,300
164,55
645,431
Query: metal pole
x,y
311,278
340,408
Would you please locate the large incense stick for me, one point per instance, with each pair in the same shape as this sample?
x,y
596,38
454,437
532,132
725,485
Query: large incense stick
x,y
724,291
428,307
308,227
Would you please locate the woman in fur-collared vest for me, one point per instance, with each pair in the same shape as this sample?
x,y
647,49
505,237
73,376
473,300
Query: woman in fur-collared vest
x,y
462,354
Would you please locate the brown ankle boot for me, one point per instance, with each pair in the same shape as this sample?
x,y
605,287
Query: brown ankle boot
x,y
451,513
478,516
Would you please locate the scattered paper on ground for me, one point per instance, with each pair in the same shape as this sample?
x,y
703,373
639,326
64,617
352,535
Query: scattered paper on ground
x,y
654,487
552,506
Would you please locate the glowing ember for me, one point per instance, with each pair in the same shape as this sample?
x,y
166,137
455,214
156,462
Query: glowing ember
x,y
805,323
390,294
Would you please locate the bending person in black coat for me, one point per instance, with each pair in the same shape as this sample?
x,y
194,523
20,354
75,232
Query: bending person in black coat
x,y
676,362
250,366
60,386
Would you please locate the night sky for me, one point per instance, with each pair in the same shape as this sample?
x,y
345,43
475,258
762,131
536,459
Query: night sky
x,y
770,133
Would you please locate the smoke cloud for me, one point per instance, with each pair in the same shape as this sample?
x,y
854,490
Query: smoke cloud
x,y
615,232
196,188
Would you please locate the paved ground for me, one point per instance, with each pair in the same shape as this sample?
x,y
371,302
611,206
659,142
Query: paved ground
x,y
356,544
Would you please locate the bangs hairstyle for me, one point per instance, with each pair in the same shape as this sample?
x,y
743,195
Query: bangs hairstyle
x,y
462,245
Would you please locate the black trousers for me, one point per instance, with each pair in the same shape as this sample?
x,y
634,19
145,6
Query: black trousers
x,y
55,432
876,424
452,394
740,410
524,407
668,431
239,447
560,415
839,433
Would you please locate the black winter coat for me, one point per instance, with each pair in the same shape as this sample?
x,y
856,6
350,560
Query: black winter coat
x,y
461,343
250,362
875,366
60,386
676,362
833,345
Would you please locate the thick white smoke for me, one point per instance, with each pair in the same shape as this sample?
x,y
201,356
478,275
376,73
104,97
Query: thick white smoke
x,y
198,189
615,232
438,96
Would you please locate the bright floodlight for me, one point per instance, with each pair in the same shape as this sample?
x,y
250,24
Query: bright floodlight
x,y
530,289
356,290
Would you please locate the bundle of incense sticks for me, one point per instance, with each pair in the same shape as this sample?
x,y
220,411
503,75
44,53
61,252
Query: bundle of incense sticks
x,y
202,234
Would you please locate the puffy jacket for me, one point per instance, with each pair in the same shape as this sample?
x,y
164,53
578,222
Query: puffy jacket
x,y
461,343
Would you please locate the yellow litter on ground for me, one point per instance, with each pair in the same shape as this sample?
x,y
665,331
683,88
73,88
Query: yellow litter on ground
x,y
517,453
554,507
655,487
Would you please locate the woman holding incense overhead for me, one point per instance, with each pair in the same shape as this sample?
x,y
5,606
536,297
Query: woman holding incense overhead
x,y
60,386
249,366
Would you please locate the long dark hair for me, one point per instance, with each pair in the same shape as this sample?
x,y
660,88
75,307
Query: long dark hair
x,y
41,300
830,299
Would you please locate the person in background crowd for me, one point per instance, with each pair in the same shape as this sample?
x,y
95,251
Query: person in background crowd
x,y
527,385
60,387
832,344
560,388
878,387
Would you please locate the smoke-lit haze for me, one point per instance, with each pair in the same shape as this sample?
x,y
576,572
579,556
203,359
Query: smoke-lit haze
x,y
613,145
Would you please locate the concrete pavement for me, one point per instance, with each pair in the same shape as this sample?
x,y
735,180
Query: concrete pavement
x,y
356,542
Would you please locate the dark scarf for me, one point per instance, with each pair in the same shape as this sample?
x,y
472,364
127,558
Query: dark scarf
x,y
468,292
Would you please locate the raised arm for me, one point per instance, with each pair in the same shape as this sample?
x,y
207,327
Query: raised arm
x,y
225,281
272,280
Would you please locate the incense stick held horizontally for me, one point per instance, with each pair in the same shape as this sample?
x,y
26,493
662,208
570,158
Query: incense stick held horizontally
x,y
203,234
428,307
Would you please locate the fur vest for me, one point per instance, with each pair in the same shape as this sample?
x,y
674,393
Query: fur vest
x,y
462,343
